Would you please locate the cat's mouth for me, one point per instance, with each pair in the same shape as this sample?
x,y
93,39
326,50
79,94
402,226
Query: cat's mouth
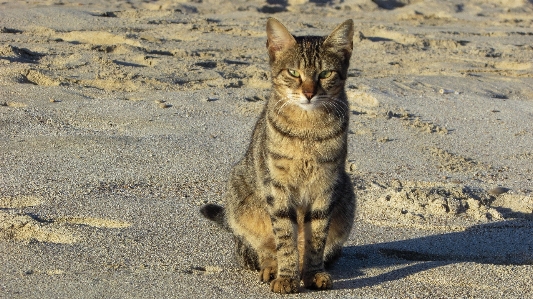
x,y
318,101
307,104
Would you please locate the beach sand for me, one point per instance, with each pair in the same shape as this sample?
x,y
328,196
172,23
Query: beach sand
x,y
119,119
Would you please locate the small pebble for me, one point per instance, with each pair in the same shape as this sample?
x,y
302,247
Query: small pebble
x,y
446,91
498,190
351,167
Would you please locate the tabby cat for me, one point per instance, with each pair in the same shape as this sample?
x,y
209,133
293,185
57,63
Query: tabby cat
x,y
290,204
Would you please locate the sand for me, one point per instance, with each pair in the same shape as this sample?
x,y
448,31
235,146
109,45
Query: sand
x,y
119,119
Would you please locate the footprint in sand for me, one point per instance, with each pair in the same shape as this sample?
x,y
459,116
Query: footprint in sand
x,y
20,226
38,78
427,205
96,38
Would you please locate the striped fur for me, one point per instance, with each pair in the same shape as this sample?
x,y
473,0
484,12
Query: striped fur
x,y
290,203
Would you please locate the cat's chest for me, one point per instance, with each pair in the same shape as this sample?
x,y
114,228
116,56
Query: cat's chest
x,y
296,162
300,151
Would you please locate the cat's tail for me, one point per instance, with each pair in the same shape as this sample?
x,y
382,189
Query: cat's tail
x,y
216,214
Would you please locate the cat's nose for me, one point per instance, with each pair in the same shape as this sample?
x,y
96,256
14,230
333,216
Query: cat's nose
x,y
309,95
309,89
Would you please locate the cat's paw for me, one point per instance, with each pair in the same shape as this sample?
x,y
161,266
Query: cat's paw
x,y
266,274
268,270
284,285
318,281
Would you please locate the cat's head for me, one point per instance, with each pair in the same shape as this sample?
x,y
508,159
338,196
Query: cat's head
x,y
309,71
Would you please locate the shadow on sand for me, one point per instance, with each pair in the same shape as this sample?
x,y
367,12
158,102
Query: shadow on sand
x,y
504,243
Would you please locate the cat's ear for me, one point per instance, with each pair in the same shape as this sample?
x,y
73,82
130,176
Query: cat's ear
x,y
341,39
278,38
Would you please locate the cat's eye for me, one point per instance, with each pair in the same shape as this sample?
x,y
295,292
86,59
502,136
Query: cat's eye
x,y
325,74
294,73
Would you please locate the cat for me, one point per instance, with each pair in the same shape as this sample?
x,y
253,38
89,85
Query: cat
x,y
290,203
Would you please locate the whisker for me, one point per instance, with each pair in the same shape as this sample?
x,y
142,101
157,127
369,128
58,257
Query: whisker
x,y
277,104
280,108
340,107
324,104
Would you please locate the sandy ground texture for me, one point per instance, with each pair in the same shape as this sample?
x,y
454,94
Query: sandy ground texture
x,y
119,119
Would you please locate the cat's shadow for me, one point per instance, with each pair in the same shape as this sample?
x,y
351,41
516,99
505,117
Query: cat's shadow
x,y
504,243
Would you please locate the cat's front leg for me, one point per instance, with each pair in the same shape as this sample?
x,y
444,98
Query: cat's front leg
x,y
284,225
316,225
